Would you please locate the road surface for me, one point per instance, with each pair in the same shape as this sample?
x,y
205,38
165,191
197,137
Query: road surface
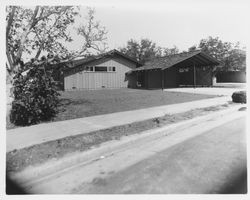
x,y
214,162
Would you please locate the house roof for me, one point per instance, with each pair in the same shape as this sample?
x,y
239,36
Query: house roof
x,y
109,54
197,57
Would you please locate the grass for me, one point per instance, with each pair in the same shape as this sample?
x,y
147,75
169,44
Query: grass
x,y
78,104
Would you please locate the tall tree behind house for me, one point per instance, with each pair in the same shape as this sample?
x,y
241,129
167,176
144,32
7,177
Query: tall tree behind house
x,y
231,56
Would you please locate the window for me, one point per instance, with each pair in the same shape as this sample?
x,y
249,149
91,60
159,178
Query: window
x,y
89,69
111,69
101,69
104,69
181,70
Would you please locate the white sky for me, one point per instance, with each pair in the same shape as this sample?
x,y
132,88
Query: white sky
x,y
167,22
171,22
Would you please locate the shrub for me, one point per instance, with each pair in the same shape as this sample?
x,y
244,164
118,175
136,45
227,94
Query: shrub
x,y
239,97
35,96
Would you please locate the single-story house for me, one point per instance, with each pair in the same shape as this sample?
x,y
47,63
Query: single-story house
x,y
193,68
116,70
107,70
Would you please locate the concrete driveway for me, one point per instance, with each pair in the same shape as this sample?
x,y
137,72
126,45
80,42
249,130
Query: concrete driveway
x,y
228,91
230,85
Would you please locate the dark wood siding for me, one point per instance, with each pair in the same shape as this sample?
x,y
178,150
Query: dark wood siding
x,y
154,79
171,78
132,80
204,77
186,77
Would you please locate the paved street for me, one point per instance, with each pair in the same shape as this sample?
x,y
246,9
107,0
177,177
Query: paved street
x,y
208,157
214,162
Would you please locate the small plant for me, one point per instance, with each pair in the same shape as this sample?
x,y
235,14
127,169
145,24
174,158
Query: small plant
x,y
239,97
35,95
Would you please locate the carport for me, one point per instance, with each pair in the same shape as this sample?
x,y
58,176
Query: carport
x,y
189,69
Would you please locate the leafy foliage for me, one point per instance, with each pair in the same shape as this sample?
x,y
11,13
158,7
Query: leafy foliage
x,y
145,50
37,30
34,32
230,55
93,33
239,97
35,95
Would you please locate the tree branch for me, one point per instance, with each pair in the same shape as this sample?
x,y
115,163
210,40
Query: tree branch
x,y
10,21
24,35
53,12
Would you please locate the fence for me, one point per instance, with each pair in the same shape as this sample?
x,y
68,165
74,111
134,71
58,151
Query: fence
x,y
231,77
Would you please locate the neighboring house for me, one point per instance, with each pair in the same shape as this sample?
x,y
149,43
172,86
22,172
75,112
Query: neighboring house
x,y
103,71
193,68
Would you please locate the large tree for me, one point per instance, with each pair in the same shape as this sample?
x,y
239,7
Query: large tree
x,y
230,55
39,31
170,51
142,50
145,50
93,33
33,30
44,29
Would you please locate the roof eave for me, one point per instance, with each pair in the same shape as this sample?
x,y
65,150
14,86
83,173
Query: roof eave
x,y
213,60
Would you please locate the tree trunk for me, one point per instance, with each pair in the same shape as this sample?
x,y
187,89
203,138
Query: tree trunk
x,y
10,60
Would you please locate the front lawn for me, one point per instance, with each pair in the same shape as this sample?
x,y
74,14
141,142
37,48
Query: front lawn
x,y
77,104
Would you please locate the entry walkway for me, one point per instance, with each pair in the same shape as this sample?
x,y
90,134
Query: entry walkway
x,y
27,136
206,90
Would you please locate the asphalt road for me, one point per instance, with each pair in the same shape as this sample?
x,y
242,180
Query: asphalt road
x,y
214,162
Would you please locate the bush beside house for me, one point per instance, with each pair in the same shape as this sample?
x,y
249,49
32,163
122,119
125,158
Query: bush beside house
x,y
35,96
239,97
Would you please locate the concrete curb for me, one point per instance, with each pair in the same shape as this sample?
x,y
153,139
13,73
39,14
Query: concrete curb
x,y
28,136
34,174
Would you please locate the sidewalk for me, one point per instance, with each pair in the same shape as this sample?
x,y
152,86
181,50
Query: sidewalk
x,y
27,136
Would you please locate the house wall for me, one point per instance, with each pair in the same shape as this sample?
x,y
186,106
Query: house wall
x,y
171,77
153,79
186,78
97,80
204,77
132,80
